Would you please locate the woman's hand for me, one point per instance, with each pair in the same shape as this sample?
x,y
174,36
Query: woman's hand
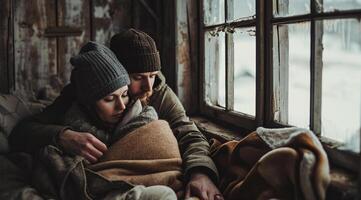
x,y
82,144
202,187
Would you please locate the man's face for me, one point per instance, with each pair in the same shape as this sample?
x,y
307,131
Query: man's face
x,y
141,85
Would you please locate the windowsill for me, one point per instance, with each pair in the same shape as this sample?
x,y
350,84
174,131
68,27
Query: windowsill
x,y
217,130
343,182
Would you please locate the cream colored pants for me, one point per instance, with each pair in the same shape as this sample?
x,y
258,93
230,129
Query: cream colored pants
x,y
139,192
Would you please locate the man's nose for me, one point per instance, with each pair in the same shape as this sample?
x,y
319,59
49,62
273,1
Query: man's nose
x,y
147,86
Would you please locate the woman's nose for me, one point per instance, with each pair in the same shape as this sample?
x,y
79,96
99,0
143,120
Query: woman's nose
x,y
120,104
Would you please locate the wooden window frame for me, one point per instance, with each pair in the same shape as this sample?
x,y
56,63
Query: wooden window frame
x,y
228,114
265,110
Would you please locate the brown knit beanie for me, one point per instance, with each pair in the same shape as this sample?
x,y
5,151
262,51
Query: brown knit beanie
x,y
96,73
136,51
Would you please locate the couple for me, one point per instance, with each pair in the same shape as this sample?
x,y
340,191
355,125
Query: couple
x,y
86,118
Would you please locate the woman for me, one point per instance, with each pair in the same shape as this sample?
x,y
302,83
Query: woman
x,y
104,109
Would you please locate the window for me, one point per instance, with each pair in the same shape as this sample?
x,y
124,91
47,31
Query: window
x,y
229,35
284,62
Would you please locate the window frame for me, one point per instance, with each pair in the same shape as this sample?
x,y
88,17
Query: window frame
x,y
228,114
264,115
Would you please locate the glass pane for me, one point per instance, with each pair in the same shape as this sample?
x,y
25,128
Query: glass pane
x,y
213,11
341,86
238,9
291,55
333,5
245,70
215,68
283,8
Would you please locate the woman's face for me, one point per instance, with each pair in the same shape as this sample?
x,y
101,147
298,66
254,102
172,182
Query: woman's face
x,y
110,108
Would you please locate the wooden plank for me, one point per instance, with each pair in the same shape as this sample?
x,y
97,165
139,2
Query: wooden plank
x,y
238,119
193,18
35,56
183,57
316,65
281,69
261,53
168,44
5,16
62,31
150,11
229,72
229,43
145,21
75,14
268,116
280,73
109,18
340,14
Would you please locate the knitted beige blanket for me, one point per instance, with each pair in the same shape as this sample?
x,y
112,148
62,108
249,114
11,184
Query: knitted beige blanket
x,y
147,156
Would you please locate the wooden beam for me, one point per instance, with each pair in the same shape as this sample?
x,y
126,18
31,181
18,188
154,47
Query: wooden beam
x,y
150,11
261,55
5,26
62,31
317,16
268,116
229,59
237,24
316,66
193,20
167,50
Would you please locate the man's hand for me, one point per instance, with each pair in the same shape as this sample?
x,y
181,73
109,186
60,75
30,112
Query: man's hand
x,y
82,144
202,187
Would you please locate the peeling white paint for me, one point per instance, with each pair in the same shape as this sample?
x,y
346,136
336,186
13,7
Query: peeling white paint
x,y
102,36
182,55
34,60
101,12
73,11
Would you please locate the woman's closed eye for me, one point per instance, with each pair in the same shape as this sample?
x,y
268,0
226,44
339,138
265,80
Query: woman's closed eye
x,y
109,98
125,94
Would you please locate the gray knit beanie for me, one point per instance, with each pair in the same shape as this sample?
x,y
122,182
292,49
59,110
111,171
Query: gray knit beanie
x,y
96,73
136,50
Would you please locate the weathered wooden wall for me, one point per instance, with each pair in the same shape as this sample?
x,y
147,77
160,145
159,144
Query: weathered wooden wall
x,y
35,55
187,53
109,17
38,37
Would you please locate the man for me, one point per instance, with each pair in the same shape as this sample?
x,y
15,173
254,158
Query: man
x,y
138,53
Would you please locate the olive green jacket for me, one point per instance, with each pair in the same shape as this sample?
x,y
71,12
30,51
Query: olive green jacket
x,y
39,130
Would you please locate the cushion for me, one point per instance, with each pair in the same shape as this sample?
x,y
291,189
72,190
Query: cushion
x,y
12,110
